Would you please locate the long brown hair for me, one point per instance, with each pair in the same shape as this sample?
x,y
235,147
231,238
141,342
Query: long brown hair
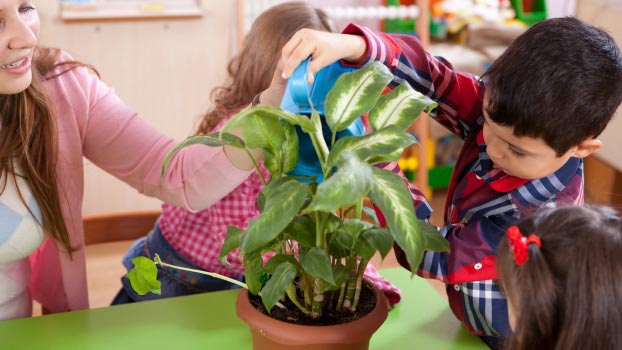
x,y
567,295
251,70
29,141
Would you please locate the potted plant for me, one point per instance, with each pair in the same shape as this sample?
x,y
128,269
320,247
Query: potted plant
x,y
317,228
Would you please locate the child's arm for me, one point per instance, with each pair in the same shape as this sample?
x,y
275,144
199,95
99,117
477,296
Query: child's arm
x,y
459,95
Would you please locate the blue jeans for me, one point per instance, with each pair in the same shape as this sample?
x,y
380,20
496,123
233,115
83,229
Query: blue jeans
x,y
174,282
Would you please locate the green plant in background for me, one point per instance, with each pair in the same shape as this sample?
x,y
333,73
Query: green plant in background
x,y
315,229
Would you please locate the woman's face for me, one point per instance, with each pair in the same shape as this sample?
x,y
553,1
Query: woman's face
x,y
19,34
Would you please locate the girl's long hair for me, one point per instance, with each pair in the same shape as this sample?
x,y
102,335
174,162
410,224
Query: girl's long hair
x,y
251,70
29,143
567,295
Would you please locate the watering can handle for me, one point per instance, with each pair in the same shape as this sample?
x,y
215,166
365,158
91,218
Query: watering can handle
x,y
300,89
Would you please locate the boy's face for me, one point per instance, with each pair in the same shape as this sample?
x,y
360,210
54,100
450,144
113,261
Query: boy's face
x,y
524,157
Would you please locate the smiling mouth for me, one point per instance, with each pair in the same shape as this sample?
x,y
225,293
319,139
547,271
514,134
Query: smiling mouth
x,y
14,64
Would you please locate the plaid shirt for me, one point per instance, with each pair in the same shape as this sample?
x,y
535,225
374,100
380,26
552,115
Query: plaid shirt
x,y
482,201
199,236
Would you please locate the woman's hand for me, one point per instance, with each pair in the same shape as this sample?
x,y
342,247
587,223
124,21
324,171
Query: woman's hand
x,y
324,49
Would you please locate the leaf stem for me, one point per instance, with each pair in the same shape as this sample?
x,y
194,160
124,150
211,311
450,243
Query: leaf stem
x,y
158,261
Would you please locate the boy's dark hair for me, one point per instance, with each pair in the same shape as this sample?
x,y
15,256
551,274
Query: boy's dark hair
x,y
560,81
567,295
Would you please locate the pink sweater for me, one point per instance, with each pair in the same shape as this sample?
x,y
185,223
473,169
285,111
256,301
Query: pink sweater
x,y
94,123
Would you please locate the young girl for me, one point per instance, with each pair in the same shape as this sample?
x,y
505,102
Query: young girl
x,y
194,240
54,112
562,275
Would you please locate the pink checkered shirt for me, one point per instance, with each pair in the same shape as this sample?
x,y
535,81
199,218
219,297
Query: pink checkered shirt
x,y
199,236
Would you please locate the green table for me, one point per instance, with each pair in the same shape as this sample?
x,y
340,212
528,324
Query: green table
x,y
422,320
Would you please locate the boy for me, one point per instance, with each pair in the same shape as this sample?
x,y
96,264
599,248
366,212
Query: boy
x,y
526,132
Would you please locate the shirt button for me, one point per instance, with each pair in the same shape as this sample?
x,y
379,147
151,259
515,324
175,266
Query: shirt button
x,y
477,266
457,287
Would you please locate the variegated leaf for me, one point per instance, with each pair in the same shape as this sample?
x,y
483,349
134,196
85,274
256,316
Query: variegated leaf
x,y
354,94
348,185
277,285
393,198
213,140
280,209
399,107
379,143
232,241
239,120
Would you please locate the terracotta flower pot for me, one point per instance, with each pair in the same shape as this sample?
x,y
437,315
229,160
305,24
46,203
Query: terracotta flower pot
x,y
270,334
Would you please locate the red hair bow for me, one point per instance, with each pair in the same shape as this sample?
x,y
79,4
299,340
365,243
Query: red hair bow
x,y
519,244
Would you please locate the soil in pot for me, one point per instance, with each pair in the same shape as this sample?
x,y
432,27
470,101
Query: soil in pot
x,y
330,316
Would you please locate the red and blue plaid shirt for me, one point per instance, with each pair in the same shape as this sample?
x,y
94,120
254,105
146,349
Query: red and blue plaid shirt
x,y
482,201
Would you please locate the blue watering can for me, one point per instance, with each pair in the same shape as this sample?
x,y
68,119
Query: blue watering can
x,y
299,97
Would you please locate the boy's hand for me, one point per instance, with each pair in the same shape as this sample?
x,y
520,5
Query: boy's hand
x,y
324,49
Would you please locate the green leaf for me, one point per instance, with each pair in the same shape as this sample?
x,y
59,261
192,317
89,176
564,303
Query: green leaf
x,y
393,198
434,241
380,239
144,276
213,140
340,244
281,207
387,158
278,259
347,186
232,241
317,264
364,250
277,285
252,274
302,230
400,107
379,143
354,94
262,111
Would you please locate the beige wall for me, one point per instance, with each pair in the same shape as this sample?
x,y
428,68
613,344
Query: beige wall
x,y
164,70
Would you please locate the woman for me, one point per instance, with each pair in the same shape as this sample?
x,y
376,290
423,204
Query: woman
x,y
54,112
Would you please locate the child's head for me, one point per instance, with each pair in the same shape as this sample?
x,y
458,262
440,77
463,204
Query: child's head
x,y
567,294
559,84
251,70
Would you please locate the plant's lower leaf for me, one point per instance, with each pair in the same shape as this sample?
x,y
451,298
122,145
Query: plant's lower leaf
x,y
144,276
391,195
380,239
363,249
340,244
252,274
399,107
347,186
281,207
278,259
232,241
302,230
277,285
317,264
